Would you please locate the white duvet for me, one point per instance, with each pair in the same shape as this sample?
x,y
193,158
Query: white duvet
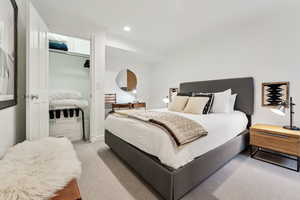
x,y
221,128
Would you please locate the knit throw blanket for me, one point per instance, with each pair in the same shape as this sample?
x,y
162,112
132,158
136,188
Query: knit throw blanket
x,y
181,129
36,170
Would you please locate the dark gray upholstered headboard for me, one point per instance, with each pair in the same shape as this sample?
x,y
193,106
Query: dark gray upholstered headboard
x,y
244,87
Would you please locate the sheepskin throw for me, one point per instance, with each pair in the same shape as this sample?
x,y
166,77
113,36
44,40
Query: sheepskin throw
x,y
36,170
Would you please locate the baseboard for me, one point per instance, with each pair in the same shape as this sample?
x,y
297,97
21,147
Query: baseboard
x,y
97,138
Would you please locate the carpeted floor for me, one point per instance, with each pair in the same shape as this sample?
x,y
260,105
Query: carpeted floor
x,y
105,177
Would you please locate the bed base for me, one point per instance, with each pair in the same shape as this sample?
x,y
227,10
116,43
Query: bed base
x,y
174,184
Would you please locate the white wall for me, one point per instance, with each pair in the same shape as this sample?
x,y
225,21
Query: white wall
x,y
141,71
67,72
265,47
117,61
12,120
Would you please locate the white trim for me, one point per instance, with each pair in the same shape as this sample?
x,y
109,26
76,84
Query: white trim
x,y
97,70
92,89
97,138
69,53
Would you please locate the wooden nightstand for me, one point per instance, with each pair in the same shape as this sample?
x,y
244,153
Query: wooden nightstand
x,y
139,105
136,105
278,139
121,106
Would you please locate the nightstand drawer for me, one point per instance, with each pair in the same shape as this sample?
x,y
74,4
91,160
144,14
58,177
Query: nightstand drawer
x,y
277,142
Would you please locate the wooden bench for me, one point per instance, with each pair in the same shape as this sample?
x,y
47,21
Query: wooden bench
x,y
70,192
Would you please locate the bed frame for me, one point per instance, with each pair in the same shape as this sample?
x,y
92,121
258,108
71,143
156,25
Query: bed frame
x,y
174,184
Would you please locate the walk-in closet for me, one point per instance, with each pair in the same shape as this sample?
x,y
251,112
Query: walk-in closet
x,y
69,87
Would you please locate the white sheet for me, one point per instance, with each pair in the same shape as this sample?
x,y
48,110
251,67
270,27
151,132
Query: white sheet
x,y
221,128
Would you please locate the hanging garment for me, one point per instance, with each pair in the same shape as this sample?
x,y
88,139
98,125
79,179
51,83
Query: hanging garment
x,y
57,114
51,114
66,114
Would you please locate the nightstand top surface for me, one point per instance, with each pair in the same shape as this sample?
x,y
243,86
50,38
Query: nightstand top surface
x,y
275,129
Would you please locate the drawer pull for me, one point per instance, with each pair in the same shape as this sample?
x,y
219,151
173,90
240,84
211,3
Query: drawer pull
x,y
273,135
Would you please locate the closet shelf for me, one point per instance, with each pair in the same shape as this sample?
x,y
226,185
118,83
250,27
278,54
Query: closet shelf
x,y
70,53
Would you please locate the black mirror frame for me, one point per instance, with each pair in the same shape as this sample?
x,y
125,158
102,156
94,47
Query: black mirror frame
x,y
13,102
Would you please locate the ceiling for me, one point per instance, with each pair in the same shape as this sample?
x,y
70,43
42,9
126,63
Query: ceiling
x,y
115,57
159,25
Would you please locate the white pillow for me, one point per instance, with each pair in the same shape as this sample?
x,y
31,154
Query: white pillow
x,y
178,103
196,105
232,102
222,102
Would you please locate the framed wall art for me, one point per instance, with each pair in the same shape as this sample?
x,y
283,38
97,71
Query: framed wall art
x,y
274,93
8,53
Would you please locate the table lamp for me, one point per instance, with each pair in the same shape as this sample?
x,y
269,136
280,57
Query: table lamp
x,y
281,110
166,100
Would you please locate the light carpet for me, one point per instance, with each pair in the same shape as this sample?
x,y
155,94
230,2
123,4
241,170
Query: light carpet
x,y
106,177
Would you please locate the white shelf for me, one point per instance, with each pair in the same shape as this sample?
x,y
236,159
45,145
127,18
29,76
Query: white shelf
x,y
70,53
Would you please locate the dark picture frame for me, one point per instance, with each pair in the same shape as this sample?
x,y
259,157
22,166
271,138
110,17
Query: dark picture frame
x,y
275,93
5,103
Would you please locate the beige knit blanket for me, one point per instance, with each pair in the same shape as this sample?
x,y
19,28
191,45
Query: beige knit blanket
x,y
181,129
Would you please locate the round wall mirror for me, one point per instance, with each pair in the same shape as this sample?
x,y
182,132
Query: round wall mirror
x,y
126,80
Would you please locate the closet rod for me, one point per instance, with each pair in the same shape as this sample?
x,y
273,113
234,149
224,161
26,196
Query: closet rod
x,y
70,53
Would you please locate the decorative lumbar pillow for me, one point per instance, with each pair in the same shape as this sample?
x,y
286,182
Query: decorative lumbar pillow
x,y
178,103
232,102
222,102
196,105
209,103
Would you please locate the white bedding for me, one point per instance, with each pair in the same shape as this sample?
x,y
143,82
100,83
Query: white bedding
x,y
221,128
64,94
68,103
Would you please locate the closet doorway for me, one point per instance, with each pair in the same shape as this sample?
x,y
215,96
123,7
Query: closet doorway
x,y
69,87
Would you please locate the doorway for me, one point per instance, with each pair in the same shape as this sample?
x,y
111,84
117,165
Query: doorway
x,y
37,74
69,87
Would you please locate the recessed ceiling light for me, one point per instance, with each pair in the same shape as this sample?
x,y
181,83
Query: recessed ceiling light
x,y
127,28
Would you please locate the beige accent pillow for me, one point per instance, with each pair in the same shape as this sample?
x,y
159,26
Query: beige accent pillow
x,y
196,105
178,103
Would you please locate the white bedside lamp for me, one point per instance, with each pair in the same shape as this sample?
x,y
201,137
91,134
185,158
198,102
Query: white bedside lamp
x,y
281,110
134,92
166,100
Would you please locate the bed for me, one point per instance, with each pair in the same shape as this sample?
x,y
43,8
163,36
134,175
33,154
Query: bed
x,y
173,174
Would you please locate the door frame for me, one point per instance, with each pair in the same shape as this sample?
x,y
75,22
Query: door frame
x,y
96,84
29,96
97,71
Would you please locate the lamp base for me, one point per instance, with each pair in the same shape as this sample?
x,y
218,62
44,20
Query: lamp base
x,y
294,128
